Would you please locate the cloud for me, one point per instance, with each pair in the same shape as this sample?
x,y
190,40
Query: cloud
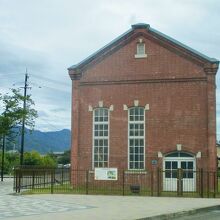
x,y
47,36
42,113
58,110
16,59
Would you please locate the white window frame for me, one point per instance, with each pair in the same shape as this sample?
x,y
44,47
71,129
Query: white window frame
x,y
136,137
138,54
100,137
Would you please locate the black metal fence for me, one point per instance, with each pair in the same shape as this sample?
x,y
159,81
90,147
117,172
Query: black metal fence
x,y
150,183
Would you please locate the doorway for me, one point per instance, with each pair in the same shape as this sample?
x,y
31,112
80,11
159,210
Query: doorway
x,y
179,166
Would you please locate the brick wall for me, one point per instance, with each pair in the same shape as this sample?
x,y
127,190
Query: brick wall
x,y
182,104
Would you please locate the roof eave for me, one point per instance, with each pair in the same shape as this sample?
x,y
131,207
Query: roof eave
x,y
185,47
101,50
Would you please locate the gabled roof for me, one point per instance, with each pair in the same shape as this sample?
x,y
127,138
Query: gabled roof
x,y
150,30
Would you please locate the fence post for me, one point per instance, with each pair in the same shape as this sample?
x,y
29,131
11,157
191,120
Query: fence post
x,y
214,182
19,180
52,180
179,182
33,177
208,176
123,183
201,182
44,178
87,182
16,180
152,183
158,181
62,175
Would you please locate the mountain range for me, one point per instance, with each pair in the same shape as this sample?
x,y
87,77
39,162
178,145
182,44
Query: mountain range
x,y
43,142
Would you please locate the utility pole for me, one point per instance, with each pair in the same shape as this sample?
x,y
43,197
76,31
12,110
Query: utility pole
x,y
23,119
3,157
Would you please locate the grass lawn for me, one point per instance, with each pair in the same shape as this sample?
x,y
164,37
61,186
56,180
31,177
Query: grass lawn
x,y
67,188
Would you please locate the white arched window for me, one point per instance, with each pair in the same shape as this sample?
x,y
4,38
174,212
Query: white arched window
x,y
100,137
136,138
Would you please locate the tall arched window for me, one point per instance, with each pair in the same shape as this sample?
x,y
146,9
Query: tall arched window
x,y
100,137
136,134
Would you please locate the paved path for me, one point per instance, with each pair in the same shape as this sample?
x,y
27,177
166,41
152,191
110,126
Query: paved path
x,y
83,207
16,206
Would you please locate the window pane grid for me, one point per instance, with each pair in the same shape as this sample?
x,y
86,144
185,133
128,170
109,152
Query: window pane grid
x,y
140,48
100,137
136,138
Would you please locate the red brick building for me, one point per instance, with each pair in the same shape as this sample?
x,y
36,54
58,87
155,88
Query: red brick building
x,y
144,101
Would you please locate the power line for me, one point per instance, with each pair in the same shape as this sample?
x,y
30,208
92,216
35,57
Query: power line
x,y
48,87
50,80
47,123
12,74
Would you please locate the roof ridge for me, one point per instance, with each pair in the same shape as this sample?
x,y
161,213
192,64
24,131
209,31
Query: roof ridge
x,y
150,29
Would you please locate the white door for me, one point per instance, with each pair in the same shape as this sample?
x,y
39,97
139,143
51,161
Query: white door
x,y
170,174
189,175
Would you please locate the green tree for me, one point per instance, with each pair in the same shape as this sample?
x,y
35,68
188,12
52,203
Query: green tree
x,y
32,158
12,116
13,112
65,158
48,161
11,160
6,164
8,119
29,113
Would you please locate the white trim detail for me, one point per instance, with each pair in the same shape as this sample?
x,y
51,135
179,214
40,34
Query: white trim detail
x,y
147,107
159,154
90,108
140,55
140,40
125,107
136,172
100,104
179,147
111,108
136,103
199,154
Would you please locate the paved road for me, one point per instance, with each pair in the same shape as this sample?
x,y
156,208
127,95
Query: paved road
x,y
208,215
84,207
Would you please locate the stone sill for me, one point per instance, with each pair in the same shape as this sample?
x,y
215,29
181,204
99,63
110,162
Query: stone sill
x,y
136,172
140,56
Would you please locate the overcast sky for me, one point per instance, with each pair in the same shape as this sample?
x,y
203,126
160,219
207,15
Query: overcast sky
x,y
48,36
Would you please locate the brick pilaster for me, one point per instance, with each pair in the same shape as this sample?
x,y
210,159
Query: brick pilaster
x,y
211,111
